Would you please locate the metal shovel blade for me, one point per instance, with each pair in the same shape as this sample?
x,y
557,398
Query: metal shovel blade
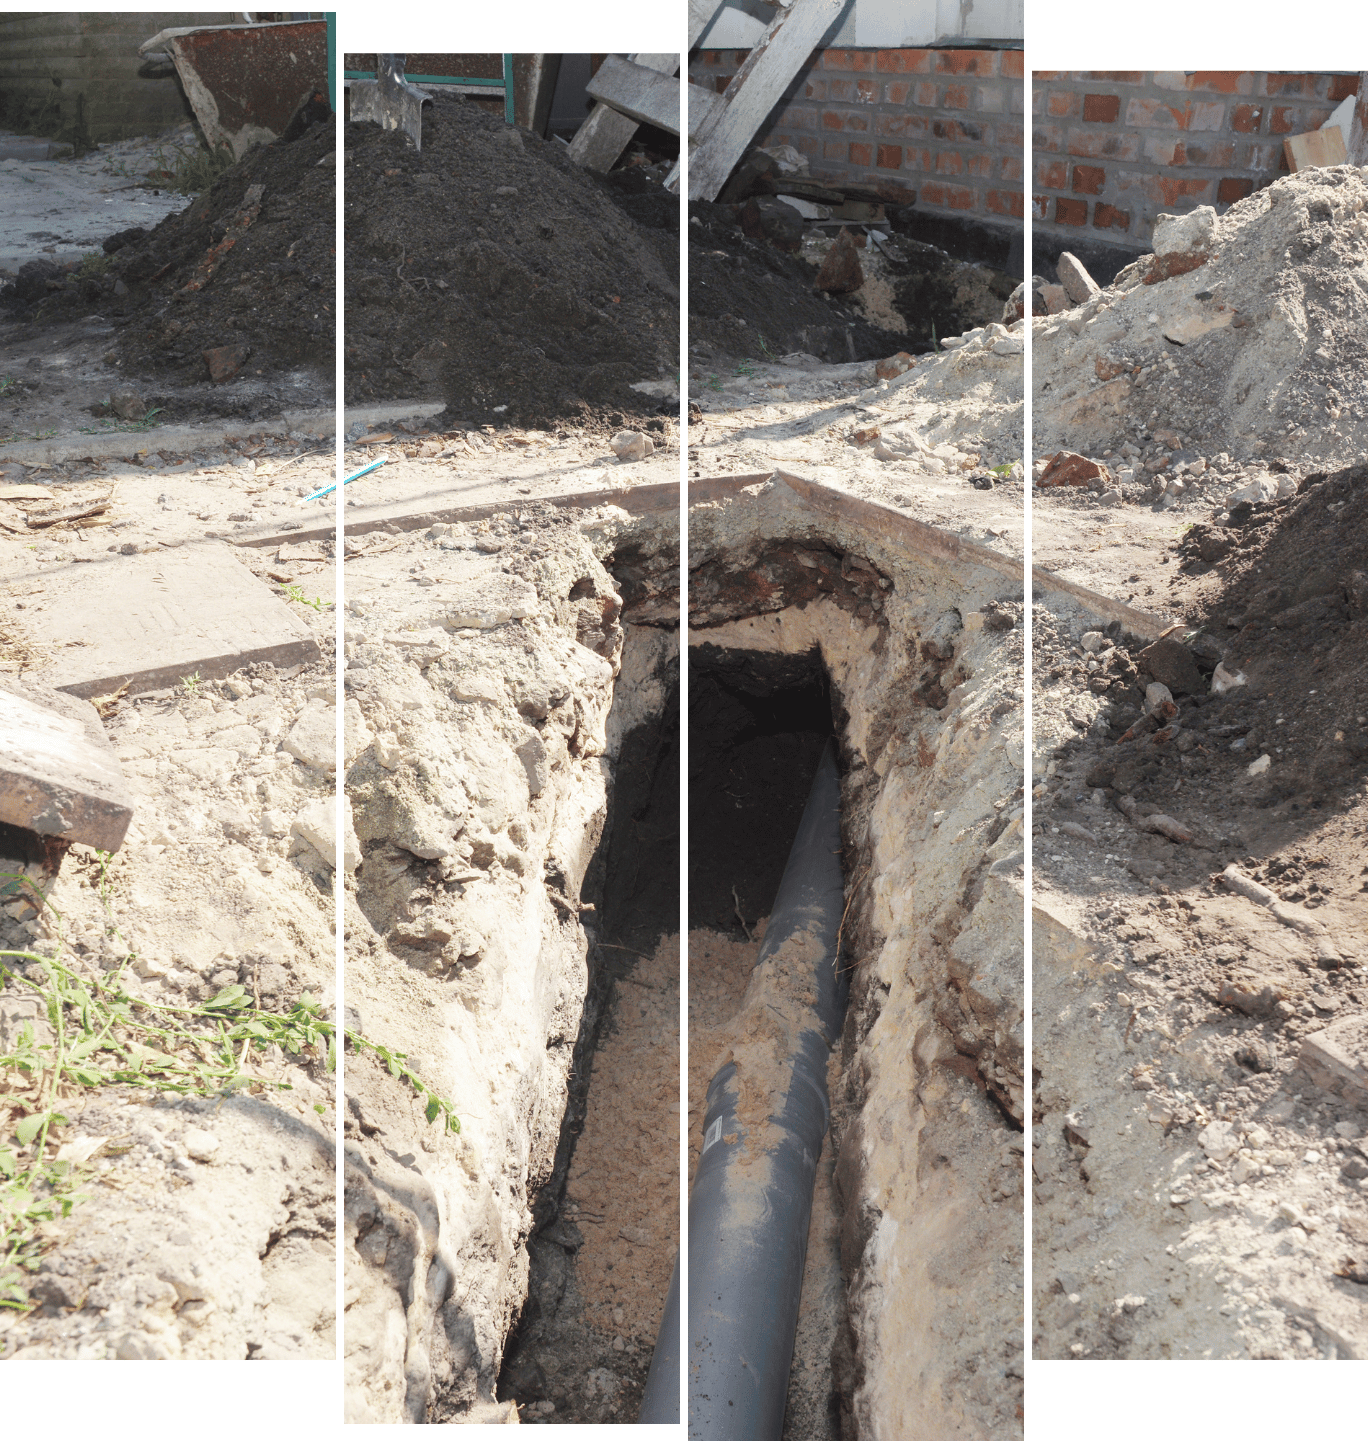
x,y
390,100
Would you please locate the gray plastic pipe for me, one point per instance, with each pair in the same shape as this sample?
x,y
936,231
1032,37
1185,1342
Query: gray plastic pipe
x,y
750,1207
660,1399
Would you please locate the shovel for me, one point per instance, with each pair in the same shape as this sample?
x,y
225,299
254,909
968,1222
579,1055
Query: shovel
x,y
390,100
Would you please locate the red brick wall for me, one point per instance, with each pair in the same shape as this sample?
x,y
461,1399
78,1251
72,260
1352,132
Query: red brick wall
x,y
939,129
1112,149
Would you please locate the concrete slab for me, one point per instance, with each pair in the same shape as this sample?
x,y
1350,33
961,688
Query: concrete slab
x,y
442,508
57,779
149,620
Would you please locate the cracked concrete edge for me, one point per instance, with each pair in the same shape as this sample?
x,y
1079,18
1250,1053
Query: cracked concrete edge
x,y
175,438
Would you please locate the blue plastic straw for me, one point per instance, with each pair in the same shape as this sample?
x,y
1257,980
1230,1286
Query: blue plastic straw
x,y
328,489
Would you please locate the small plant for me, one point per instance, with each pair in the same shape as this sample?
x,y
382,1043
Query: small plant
x,y
7,383
190,684
746,368
100,1035
714,383
93,264
393,1062
191,169
1005,469
764,349
296,593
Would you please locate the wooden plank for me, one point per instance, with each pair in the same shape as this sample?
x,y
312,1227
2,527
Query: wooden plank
x,y
1315,149
58,777
701,13
756,89
648,96
702,105
606,134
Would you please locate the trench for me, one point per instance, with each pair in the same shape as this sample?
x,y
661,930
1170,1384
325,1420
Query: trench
x,y
803,631
602,1247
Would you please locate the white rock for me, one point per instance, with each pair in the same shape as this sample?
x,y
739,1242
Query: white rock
x,y
1156,695
387,750
1219,1140
1223,680
1258,767
629,445
1262,488
313,738
1287,488
275,823
201,1145
1092,641
479,688
317,824
1185,233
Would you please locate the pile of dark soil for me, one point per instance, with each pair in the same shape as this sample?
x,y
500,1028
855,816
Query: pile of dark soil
x,y
272,294
749,300
490,271
1281,599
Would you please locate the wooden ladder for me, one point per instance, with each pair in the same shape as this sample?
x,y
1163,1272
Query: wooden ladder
x,y
628,90
722,126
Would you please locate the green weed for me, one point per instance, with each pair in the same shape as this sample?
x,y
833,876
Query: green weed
x,y
7,383
93,264
190,684
191,169
393,1062
747,369
296,593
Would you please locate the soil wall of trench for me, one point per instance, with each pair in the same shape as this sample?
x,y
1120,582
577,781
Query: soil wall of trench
x,y
921,1334
487,748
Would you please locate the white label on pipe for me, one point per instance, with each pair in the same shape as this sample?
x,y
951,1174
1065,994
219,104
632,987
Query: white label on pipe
x,y
713,1134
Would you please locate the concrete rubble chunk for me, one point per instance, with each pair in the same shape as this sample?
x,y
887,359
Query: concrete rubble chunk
x,y
841,272
1073,276
58,777
316,823
1336,1059
630,445
313,738
1067,467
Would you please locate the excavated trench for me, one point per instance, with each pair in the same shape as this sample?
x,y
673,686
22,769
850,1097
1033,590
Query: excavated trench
x,y
597,1282
815,616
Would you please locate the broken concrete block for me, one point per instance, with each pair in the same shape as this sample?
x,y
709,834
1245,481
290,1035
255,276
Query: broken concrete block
x,y
841,272
57,779
629,445
1336,1059
766,217
1073,276
1185,233
313,738
1069,468
316,823
893,365
224,361
127,403
1056,298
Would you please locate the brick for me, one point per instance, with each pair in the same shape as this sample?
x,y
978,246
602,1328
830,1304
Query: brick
x,y
1103,144
860,153
848,59
1342,87
1088,179
1164,151
815,90
949,162
959,198
809,145
855,121
1282,83
832,120
979,163
1053,175
1117,77
1233,188
1195,115
834,150
1012,64
967,62
1263,157
797,117
1047,137
1005,202
989,100
956,97
901,124
927,94
840,90
1246,119
1040,207
960,130
867,91
1009,137
903,62
1070,212
1010,167
1219,82
1282,121
896,92
1016,101
1101,109
1061,103
1108,217
890,157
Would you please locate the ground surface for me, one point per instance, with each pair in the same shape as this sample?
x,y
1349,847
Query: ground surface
x,y
487,270
1199,1177
925,441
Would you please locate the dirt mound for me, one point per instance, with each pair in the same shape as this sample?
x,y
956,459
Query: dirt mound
x,y
272,292
1260,349
748,300
489,270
